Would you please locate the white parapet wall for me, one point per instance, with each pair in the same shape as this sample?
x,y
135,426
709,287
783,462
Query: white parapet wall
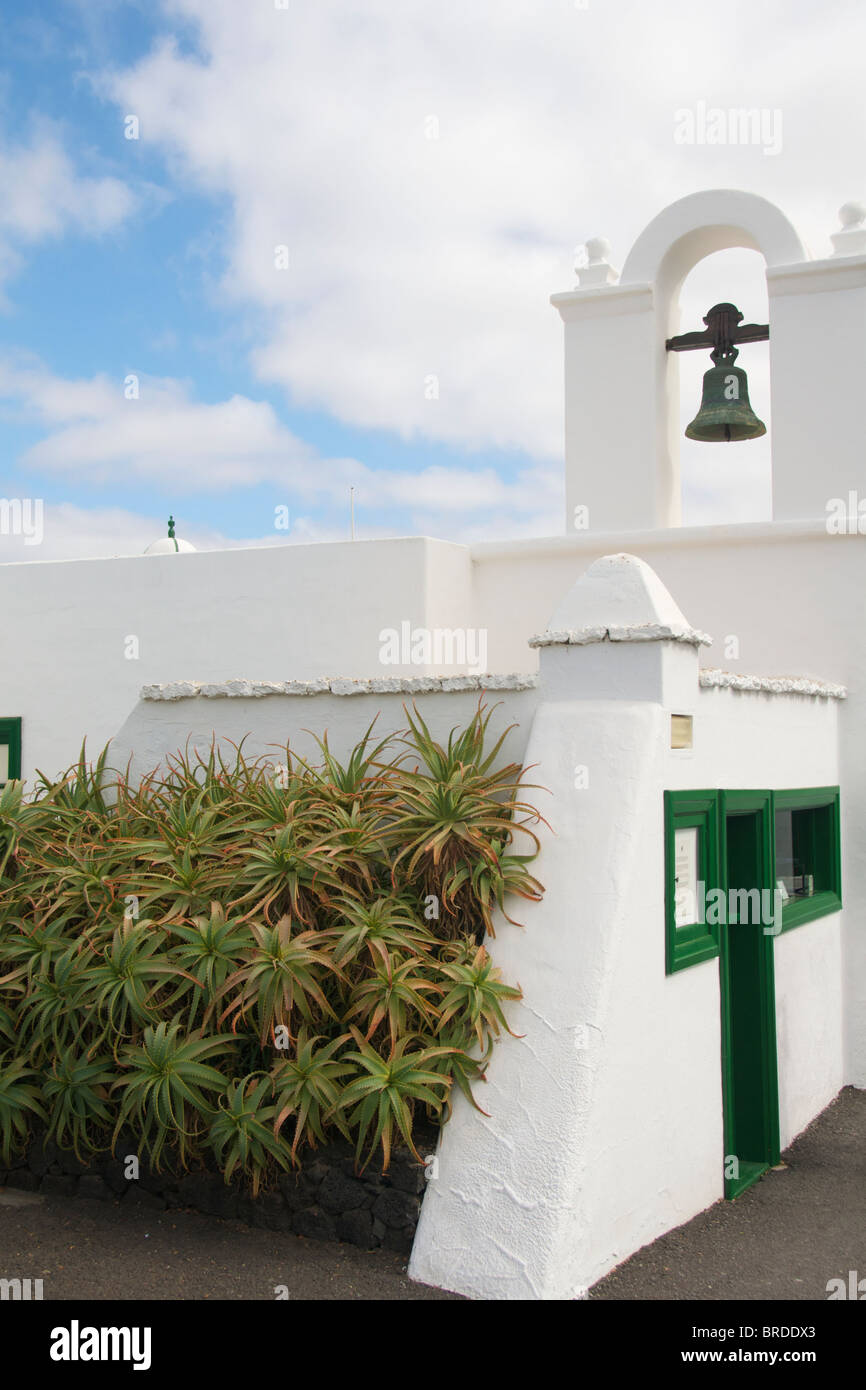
x,y
781,597
604,1124
778,598
81,637
588,1149
266,716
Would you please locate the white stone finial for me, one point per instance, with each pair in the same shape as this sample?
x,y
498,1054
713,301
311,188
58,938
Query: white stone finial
x,y
598,270
597,249
851,241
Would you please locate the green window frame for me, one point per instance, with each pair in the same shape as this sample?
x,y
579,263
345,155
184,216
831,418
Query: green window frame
x,y
690,943
817,842
10,737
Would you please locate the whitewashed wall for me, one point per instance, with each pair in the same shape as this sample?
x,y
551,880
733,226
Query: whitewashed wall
x,y
604,1129
156,728
792,595
605,1115
748,740
623,464
810,997
297,613
289,612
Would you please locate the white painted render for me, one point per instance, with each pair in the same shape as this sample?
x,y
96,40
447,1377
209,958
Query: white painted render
x,y
809,995
615,338
792,596
281,613
604,1124
589,1150
605,1115
156,728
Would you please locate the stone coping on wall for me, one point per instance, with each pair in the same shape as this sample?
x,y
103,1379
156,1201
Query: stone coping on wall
x,y
711,678
643,632
335,685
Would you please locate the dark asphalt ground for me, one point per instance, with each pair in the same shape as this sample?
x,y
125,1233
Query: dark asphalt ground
x,y
789,1234
85,1249
784,1238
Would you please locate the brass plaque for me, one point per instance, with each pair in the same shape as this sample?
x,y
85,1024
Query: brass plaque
x,y
681,731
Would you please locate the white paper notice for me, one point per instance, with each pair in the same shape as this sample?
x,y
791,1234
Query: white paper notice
x,y
686,876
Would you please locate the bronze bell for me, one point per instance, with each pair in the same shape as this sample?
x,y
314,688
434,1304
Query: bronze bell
x,y
725,413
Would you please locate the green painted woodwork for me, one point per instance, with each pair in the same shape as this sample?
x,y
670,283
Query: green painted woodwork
x,y
10,735
747,989
737,854
688,945
817,844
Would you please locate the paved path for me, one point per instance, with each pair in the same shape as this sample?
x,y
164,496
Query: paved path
x,y
784,1238
85,1249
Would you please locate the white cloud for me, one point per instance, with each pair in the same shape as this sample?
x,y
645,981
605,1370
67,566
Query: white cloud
x,y
411,256
70,532
45,196
166,437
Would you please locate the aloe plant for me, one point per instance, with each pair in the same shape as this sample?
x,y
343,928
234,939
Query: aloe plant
x,y
242,1133
307,1087
121,978
166,1086
20,1100
397,994
76,1092
210,949
455,818
281,974
51,1023
383,1097
374,929
137,921
476,996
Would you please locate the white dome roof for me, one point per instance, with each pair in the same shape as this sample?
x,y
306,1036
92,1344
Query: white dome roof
x,y
166,546
170,544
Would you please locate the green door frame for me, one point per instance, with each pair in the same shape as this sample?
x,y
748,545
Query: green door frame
x,y
10,734
744,965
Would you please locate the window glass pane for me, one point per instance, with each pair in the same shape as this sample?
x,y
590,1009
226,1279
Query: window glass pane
x,y
803,843
785,869
4,762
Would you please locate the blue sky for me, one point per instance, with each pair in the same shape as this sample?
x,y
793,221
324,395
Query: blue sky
x,y
429,172
141,297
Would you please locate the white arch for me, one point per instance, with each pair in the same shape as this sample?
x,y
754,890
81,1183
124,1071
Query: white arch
x,y
702,223
616,336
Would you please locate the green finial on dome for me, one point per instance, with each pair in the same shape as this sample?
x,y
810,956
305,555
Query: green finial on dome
x,y
169,544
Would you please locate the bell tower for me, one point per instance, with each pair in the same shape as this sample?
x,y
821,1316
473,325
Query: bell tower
x,y
622,382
